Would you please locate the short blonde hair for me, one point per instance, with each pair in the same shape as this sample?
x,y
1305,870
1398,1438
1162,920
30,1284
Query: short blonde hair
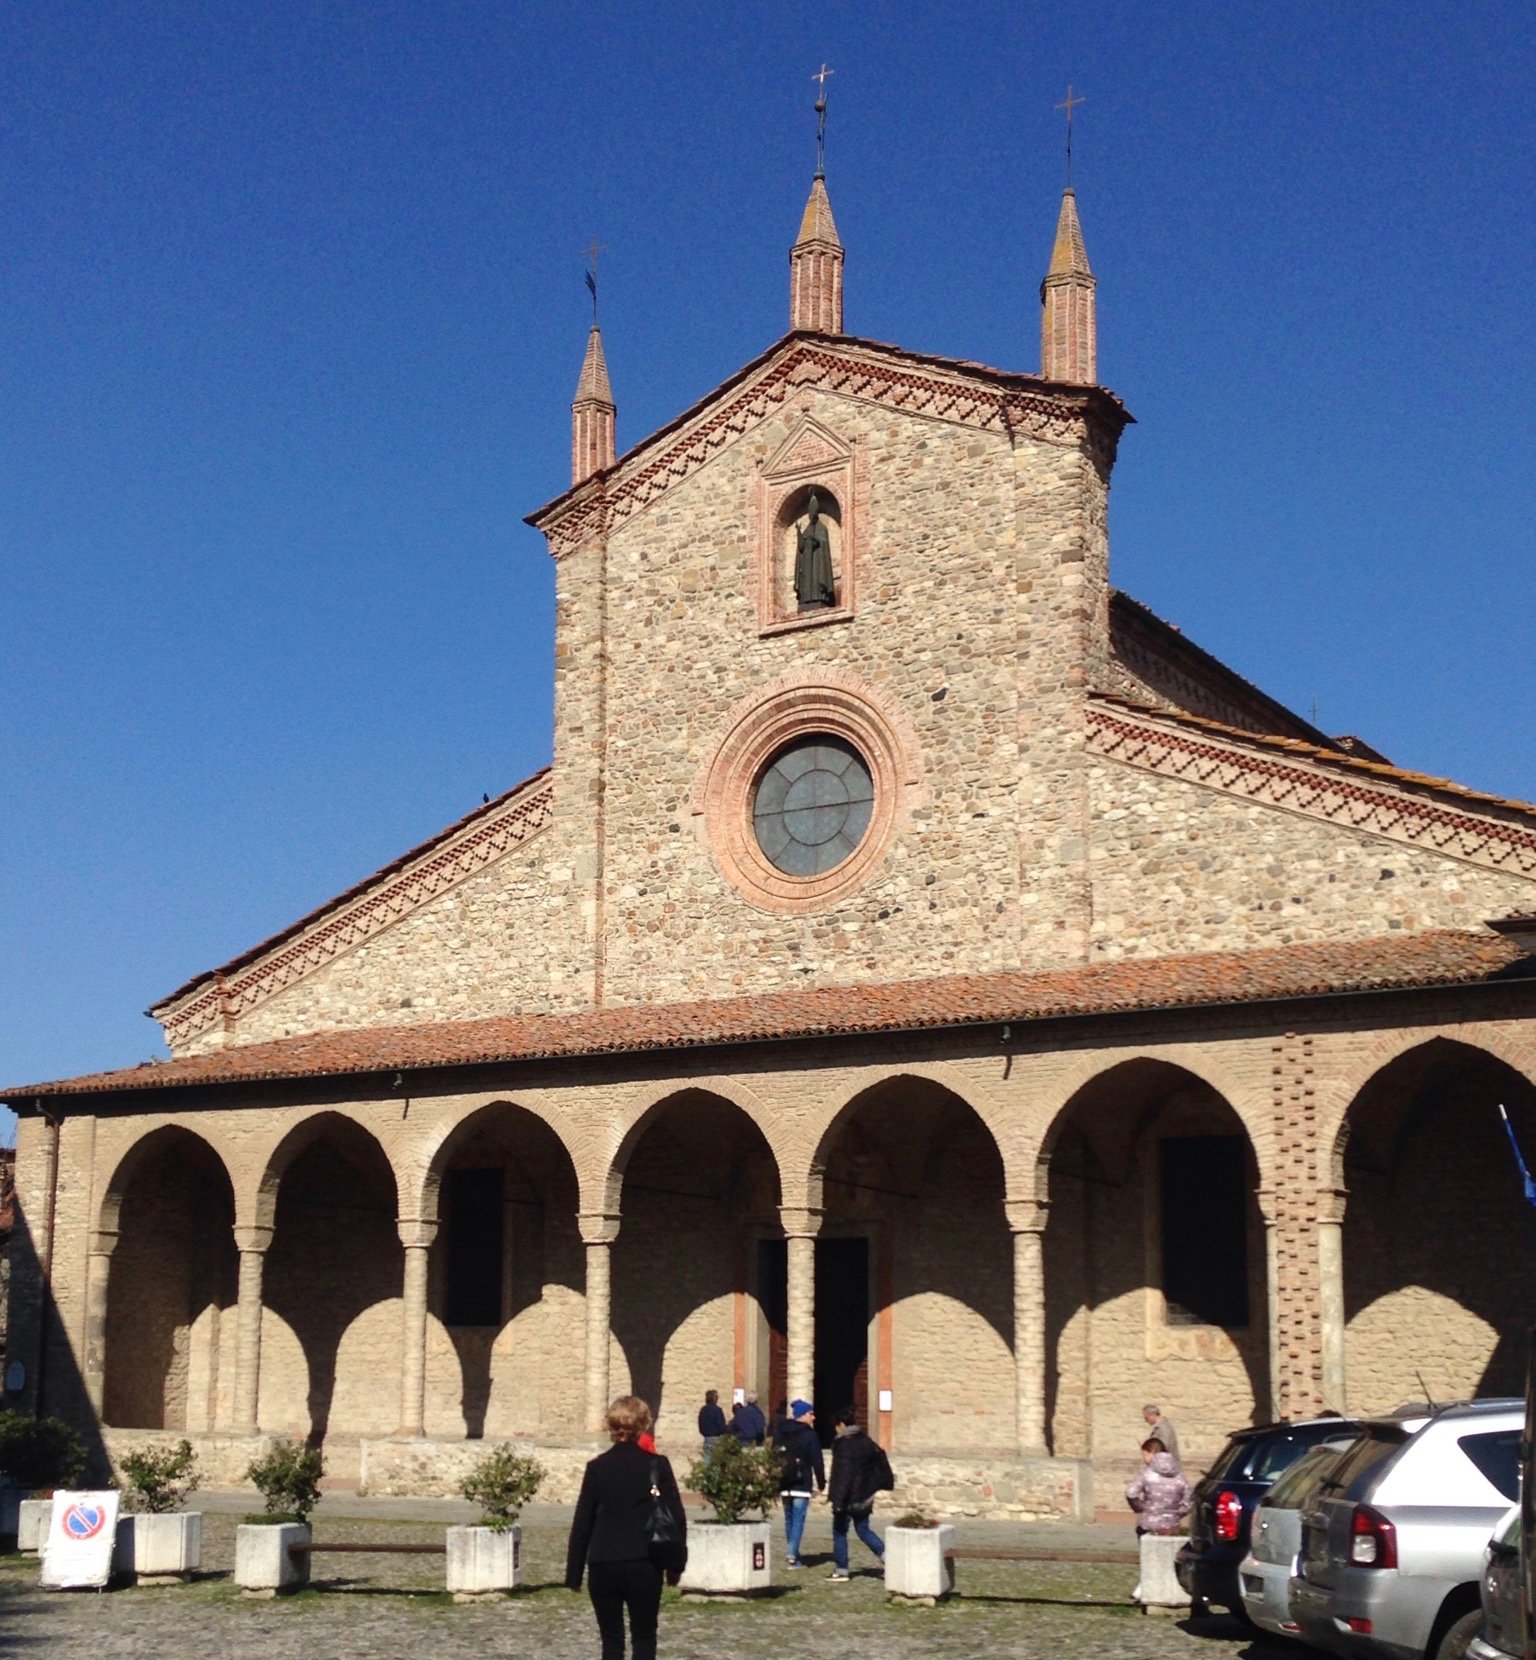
x,y
628,1418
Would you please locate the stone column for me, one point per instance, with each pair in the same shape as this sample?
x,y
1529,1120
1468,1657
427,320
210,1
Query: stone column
x,y
252,1245
416,1235
98,1273
800,1230
598,1232
1330,1274
1026,1220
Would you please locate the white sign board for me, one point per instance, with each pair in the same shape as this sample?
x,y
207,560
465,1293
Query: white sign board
x,y
81,1533
887,1401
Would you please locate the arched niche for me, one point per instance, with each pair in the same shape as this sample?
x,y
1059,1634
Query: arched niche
x,y
170,1331
1439,1271
1155,1271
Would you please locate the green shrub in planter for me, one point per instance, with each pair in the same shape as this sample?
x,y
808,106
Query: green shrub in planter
x,y
501,1484
158,1479
288,1478
39,1454
736,1479
916,1518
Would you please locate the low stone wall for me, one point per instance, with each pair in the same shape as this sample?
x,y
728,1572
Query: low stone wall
x,y
1040,1489
434,1469
222,1460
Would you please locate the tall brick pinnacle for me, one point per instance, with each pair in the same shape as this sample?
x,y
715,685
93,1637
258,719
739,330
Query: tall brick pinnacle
x,y
593,414
1069,329
816,268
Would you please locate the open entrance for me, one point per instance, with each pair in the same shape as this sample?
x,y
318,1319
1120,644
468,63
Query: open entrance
x,y
842,1331
843,1313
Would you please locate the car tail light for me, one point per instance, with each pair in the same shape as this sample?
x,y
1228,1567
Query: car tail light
x,y
1372,1539
1228,1514
1360,1627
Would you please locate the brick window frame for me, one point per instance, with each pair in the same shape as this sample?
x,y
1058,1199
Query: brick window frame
x,y
794,707
812,457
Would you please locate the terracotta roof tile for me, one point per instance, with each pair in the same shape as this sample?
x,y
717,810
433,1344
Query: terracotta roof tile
x,y
1390,962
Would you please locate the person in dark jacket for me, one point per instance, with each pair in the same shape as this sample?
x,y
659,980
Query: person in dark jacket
x,y
711,1420
860,1470
748,1424
799,1449
610,1532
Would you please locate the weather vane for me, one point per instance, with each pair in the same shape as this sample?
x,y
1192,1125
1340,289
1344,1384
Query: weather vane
x,y
592,250
1069,104
820,77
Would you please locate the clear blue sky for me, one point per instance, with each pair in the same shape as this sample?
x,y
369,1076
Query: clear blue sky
x,y
291,312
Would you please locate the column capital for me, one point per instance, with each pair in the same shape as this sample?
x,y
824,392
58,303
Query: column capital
x,y
416,1232
254,1238
798,1223
1331,1204
1027,1215
102,1243
598,1227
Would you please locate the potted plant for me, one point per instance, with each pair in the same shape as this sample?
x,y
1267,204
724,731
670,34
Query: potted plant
x,y
486,1559
288,1479
160,1542
37,1455
729,1556
918,1564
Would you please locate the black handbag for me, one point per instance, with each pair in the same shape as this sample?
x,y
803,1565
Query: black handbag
x,y
663,1532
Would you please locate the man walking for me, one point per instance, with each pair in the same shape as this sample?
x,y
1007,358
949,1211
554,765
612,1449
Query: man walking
x,y
860,1470
1161,1429
800,1450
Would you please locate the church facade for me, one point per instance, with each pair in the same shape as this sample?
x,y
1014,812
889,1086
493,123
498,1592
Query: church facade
x,y
923,977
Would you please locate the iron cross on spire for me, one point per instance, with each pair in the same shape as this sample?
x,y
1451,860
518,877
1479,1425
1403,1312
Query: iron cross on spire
x,y
820,77
1069,103
592,250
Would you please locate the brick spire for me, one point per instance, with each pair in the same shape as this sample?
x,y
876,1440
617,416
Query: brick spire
x,y
816,267
1069,330
592,414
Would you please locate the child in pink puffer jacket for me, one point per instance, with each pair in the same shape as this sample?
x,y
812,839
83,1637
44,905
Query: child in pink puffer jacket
x,y
1159,1495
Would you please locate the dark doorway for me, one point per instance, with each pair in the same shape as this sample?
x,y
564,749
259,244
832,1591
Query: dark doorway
x,y
842,1331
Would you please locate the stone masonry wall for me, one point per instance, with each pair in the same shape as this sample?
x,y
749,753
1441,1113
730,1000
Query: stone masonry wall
x,y
1180,868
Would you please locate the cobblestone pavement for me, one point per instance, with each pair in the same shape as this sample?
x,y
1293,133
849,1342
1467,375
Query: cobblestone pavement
x,y
383,1607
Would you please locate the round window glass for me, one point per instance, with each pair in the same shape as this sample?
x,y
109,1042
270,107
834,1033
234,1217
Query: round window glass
x,y
813,805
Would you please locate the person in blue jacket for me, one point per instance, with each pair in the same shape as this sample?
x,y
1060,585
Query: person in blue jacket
x,y
748,1424
799,1450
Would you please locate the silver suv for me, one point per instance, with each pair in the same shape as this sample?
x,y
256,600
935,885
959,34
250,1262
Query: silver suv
x,y
1393,1542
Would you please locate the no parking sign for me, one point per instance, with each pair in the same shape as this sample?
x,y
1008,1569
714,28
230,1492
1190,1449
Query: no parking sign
x,y
81,1534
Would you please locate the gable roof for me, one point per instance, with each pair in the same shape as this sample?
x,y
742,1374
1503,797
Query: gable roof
x,y
954,389
1389,962
454,852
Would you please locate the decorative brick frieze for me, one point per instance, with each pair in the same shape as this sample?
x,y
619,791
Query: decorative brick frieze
x,y
488,837
1362,802
843,370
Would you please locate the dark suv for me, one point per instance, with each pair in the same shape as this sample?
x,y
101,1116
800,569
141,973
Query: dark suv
x,y
1224,1502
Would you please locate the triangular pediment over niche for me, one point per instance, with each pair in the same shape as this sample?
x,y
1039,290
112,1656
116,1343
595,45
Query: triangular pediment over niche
x,y
809,447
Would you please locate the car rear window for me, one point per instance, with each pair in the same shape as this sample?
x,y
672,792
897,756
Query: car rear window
x,y
1302,1479
1363,1459
1496,1454
1228,1457
1276,1457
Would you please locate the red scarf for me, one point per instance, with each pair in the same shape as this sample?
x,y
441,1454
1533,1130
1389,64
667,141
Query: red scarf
x,y
646,1443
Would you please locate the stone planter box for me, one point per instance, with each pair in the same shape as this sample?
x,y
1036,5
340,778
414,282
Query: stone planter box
x,y
918,1566
1158,1591
263,1567
483,1562
158,1550
32,1525
727,1559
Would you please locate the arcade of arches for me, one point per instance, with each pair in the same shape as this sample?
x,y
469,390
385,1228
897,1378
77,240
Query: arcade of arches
x,y
997,1264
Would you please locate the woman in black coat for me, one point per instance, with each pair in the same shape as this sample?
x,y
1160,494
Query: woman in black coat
x,y
610,1533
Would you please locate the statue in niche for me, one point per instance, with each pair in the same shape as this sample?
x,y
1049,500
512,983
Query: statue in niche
x,y
814,590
